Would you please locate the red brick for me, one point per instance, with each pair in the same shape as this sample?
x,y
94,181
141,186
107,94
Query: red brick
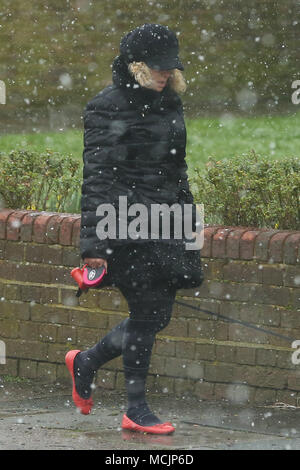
x,y
32,273
233,242
290,249
272,275
291,274
242,272
61,275
76,232
7,270
4,214
261,250
296,298
219,242
27,226
40,228
53,228
294,381
27,349
14,251
272,295
65,233
208,235
52,255
34,253
247,243
31,293
13,225
276,246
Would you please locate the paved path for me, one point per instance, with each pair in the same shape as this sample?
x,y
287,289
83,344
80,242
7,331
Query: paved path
x,y
39,416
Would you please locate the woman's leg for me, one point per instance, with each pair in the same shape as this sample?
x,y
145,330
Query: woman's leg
x,y
87,363
150,311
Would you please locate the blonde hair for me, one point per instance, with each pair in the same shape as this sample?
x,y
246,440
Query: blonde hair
x,y
142,74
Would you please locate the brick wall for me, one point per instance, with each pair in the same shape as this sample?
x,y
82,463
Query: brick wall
x,y
250,274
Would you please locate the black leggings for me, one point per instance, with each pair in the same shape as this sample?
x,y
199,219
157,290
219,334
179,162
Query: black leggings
x,y
147,276
149,312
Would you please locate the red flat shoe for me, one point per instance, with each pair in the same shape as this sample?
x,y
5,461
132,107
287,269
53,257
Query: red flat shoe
x,y
85,406
163,428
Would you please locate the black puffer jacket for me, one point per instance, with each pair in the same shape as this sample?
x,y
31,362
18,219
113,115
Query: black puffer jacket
x,y
134,146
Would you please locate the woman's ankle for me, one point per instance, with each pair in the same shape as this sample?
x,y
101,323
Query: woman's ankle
x,y
142,415
84,377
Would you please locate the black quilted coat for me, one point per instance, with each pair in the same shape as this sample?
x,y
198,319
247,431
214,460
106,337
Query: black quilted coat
x,y
134,145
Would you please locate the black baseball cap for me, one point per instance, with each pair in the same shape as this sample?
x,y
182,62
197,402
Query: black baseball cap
x,y
154,44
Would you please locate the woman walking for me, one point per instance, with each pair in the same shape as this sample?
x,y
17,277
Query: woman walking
x,y
135,143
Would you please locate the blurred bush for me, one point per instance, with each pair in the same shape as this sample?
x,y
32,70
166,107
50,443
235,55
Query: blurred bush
x,y
239,56
40,181
250,190
247,190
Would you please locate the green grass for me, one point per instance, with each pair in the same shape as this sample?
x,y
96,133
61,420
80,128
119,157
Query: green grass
x,y
70,141
273,136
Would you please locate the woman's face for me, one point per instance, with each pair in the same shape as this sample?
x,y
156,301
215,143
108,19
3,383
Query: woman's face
x,y
160,79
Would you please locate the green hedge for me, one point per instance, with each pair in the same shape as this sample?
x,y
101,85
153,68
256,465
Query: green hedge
x,y
250,190
39,181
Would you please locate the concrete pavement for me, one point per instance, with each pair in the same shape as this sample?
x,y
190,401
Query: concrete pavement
x,y
35,416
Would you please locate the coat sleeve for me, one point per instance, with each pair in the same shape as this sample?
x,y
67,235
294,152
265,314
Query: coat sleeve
x,y
184,194
101,150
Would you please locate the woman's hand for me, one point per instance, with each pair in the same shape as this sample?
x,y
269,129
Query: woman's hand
x,y
96,262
